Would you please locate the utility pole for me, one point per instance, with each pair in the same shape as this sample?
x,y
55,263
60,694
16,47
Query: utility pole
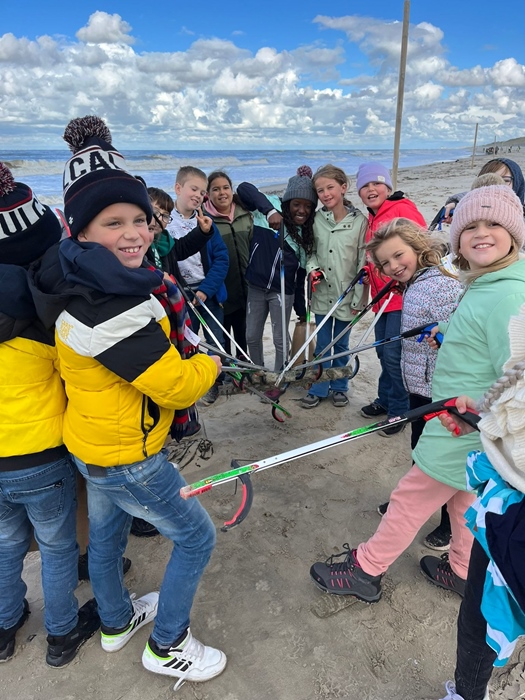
x,y
401,90
474,147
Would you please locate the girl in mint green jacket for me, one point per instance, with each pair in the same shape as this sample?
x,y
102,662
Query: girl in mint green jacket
x,y
487,233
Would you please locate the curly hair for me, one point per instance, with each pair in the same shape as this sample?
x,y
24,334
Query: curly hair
x,y
428,250
305,237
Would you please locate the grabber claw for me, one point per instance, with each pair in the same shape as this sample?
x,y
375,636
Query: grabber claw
x,y
246,502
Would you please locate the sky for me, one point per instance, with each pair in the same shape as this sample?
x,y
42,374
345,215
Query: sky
x,y
272,74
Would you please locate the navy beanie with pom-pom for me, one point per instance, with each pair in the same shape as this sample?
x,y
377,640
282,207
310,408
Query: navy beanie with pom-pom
x,y
300,186
96,176
27,227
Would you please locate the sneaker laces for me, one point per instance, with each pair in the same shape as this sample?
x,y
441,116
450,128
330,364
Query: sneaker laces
x,y
347,562
445,565
139,606
192,652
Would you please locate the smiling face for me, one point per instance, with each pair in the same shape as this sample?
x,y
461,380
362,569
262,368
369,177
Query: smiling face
x,y
397,259
190,195
373,194
123,229
300,210
221,194
482,243
330,192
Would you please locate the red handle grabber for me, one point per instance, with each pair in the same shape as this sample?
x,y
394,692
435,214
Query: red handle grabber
x,y
449,406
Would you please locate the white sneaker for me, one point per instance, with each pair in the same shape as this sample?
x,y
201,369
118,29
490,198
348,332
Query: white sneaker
x,y
452,695
144,611
193,662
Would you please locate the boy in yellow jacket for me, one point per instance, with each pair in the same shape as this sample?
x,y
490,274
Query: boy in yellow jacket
x,y
128,365
37,477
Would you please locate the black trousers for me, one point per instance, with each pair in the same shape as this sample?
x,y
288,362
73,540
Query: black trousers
x,y
235,324
474,657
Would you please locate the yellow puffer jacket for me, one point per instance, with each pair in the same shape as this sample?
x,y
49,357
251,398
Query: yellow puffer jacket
x,y
32,396
32,399
124,378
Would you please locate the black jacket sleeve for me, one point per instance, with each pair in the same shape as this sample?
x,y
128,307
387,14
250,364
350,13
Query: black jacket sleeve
x,y
191,243
253,199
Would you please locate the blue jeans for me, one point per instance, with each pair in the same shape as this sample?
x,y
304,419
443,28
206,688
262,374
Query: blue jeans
x,y
328,332
42,499
148,490
217,310
392,394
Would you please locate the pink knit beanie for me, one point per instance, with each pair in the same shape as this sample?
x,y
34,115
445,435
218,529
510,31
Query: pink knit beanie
x,y
496,203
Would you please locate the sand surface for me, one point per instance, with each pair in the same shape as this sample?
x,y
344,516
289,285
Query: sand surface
x,y
256,600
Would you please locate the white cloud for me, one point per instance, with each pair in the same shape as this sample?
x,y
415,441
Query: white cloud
x,y
105,29
216,93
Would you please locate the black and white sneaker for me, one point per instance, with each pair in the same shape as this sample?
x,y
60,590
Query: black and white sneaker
x,y
144,610
189,661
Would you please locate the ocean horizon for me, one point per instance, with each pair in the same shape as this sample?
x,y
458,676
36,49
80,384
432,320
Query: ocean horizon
x,y
42,169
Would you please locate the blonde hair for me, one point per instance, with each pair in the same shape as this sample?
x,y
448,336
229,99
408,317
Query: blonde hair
x,y
332,172
428,250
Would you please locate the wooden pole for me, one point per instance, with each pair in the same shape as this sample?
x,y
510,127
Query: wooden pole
x,y
474,147
400,90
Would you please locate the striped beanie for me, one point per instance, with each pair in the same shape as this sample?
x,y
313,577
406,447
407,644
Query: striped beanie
x,y
27,227
96,176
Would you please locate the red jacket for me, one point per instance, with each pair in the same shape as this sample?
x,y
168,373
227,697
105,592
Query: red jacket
x,y
396,205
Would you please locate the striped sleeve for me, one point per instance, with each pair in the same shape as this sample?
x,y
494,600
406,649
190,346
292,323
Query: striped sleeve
x,y
130,342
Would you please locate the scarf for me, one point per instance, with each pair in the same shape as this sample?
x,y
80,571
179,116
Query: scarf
x,y
161,247
186,420
213,211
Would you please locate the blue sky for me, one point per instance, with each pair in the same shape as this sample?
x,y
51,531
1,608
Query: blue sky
x,y
244,74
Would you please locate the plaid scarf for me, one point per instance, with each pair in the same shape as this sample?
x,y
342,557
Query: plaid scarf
x,y
186,420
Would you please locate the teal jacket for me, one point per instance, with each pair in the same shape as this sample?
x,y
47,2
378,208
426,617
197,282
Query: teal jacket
x,y
474,350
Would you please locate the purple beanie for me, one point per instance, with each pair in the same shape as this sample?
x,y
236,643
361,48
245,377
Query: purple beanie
x,y
373,172
496,203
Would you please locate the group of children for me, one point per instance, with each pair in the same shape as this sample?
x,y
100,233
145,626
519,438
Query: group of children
x,y
99,366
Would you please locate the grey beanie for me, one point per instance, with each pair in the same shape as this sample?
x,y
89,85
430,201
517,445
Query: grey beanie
x,y
300,186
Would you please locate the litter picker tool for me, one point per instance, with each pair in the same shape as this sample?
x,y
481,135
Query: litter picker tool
x,y
338,303
244,473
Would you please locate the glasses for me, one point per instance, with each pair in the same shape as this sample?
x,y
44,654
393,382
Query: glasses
x,y
507,179
166,218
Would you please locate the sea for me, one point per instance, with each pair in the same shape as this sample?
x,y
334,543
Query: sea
x,y
42,170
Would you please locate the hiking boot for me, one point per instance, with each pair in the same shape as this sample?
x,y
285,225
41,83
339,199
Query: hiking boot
x,y
189,661
141,528
339,399
309,401
144,610
438,539
382,508
439,572
211,396
62,650
7,635
346,577
373,410
83,568
393,430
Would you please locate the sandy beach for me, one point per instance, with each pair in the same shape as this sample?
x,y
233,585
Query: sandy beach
x,y
284,638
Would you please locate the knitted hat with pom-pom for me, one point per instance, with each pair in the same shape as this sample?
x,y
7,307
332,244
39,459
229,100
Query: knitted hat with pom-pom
x,y
96,176
27,227
300,186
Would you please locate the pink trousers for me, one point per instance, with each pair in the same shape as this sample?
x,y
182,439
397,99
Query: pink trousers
x,y
414,500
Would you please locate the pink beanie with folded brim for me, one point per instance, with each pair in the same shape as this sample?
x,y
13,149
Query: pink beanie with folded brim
x,y
496,203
